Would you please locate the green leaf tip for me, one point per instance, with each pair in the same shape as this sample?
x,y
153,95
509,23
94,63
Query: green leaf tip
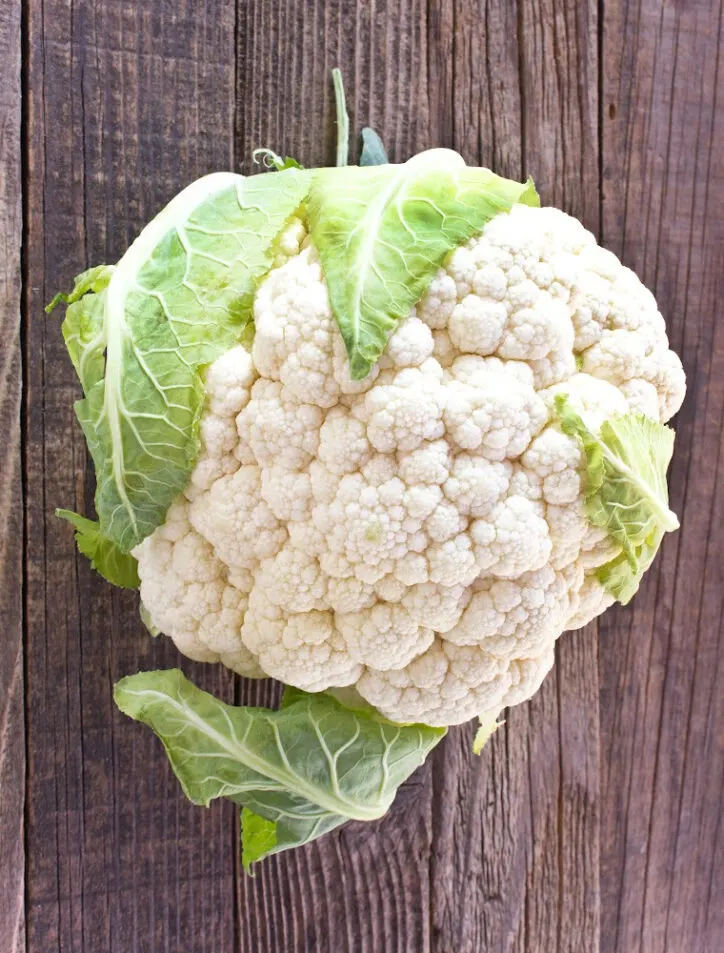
x,y
304,769
258,838
529,196
373,150
148,622
488,725
626,491
383,231
118,568
93,280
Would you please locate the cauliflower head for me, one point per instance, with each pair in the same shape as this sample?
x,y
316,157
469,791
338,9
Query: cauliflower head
x,y
423,535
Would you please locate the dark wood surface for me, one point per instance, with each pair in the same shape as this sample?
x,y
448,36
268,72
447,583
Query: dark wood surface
x,y
12,720
592,822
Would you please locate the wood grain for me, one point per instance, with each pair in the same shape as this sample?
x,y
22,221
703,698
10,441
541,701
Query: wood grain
x,y
592,821
12,688
520,828
127,102
662,755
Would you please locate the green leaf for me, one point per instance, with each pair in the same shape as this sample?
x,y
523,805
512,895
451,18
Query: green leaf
x,y
118,568
383,231
373,150
258,838
488,725
180,296
308,767
626,491
84,338
94,279
148,622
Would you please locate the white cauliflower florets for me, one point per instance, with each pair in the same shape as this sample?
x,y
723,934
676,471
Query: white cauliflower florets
x,y
422,534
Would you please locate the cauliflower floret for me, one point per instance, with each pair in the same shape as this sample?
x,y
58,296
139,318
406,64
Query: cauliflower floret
x,y
461,267
641,397
497,418
438,607
453,562
476,484
515,619
553,368
540,325
593,600
237,522
305,650
349,594
385,636
293,580
278,427
187,592
444,350
468,368
428,463
288,493
444,522
526,677
373,524
439,300
343,443
663,369
567,526
411,344
409,410
623,355
219,440
594,399
446,685
294,330
556,459
228,383
291,241
422,534
476,324
512,540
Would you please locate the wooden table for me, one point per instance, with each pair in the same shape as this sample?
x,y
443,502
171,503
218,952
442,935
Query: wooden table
x,y
592,822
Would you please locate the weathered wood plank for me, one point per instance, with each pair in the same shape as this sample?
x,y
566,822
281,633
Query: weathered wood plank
x,y
515,857
660,660
128,101
365,888
12,716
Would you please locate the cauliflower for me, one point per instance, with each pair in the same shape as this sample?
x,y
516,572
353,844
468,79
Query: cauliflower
x,y
421,534
381,433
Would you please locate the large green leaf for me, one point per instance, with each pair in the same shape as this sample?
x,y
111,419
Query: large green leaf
x,y
626,490
180,296
306,768
383,231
